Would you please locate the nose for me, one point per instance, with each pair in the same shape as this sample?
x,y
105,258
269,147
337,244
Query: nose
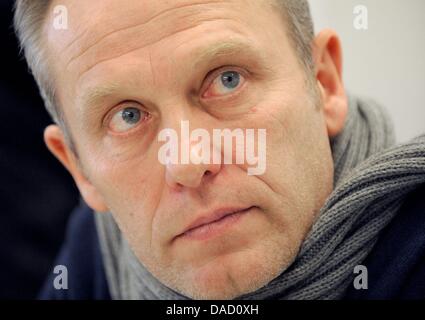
x,y
192,174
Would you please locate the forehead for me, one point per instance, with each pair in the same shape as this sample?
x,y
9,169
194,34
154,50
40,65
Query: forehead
x,y
102,24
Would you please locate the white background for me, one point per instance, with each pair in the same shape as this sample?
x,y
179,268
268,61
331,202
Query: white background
x,y
387,61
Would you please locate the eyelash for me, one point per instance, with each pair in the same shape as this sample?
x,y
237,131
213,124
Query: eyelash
x,y
121,106
212,75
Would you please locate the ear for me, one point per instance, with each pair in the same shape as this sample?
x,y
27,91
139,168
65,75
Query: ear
x,y
56,143
327,53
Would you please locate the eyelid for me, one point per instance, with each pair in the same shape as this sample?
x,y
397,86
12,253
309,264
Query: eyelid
x,y
212,75
118,108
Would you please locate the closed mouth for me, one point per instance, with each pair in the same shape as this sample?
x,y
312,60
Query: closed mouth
x,y
214,224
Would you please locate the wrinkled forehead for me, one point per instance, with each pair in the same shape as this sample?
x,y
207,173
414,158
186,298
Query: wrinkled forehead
x,y
97,28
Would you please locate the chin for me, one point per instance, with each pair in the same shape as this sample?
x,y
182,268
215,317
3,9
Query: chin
x,y
227,278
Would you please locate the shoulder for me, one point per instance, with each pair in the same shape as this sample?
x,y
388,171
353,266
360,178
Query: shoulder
x,y
396,265
81,256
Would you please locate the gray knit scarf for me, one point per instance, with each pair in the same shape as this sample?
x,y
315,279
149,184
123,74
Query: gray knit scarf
x,y
371,182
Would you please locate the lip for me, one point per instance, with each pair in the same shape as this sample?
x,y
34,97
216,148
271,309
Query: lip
x,y
209,224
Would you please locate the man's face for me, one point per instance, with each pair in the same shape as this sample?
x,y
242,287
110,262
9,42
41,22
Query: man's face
x,y
125,70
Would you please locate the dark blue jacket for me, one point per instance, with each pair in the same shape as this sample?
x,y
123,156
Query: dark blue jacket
x,y
396,265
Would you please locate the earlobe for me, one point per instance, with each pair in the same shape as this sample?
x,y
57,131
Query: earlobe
x,y
335,111
56,143
327,53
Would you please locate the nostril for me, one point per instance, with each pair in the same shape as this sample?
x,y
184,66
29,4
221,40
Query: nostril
x,y
207,173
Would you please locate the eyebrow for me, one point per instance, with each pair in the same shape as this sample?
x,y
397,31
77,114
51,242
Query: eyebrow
x,y
95,95
226,48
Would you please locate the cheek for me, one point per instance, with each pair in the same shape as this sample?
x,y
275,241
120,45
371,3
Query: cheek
x,y
299,159
132,193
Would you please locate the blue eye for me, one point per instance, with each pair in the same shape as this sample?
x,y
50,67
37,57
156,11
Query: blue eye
x,y
126,119
230,79
225,83
131,115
